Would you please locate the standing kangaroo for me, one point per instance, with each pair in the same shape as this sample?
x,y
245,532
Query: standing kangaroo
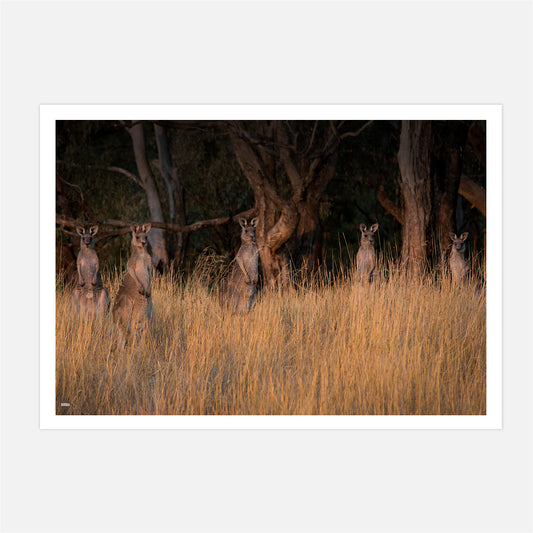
x,y
133,304
366,258
89,295
239,290
458,263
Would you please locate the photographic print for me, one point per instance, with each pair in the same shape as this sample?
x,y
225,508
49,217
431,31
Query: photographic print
x,y
271,266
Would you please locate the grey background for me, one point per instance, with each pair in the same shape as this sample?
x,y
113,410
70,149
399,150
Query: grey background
x,y
292,52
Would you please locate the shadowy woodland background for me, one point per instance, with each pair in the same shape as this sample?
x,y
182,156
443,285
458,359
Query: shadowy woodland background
x,y
311,183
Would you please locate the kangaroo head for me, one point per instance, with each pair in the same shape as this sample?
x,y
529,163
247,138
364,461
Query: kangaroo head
x,y
139,235
458,243
87,237
248,229
368,235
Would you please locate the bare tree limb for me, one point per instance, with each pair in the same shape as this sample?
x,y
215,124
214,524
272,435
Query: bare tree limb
x,y
253,166
356,133
72,223
74,186
288,163
240,131
127,173
312,169
312,140
120,170
474,193
388,204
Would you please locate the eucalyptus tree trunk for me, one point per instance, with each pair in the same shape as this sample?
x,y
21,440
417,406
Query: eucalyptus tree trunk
x,y
287,204
175,190
414,163
309,171
307,233
278,218
156,236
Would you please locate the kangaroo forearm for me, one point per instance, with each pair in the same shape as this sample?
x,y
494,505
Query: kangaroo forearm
x,y
144,288
243,268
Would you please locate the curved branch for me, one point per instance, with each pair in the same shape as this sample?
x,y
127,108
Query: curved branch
x,y
127,173
213,222
74,186
253,168
474,193
358,132
311,141
120,170
288,163
388,204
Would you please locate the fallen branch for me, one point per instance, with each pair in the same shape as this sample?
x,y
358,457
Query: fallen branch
x,y
125,225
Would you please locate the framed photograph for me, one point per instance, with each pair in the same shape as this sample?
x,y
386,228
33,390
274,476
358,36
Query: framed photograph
x,y
271,266
266,266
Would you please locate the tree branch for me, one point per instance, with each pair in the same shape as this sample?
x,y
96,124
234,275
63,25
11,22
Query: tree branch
x,y
290,168
312,140
356,133
127,173
474,193
120,170
252,166
72,223
74,186
388,204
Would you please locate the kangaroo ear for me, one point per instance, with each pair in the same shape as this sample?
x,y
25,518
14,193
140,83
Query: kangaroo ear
x,y
242,222
134,228
374,227
362,227
80,230
253,222
453,236
93,230
464,236
147,227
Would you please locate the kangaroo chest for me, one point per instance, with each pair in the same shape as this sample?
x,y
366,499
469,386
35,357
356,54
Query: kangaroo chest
x,y
87,258
457,260
88,264
366,254
249,254
139,267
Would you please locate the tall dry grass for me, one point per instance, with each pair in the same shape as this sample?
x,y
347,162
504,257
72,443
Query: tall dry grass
x,y
328,347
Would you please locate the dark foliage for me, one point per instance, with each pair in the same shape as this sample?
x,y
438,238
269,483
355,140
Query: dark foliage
x,y
364,189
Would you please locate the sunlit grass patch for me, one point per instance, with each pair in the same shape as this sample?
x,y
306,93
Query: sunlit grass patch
x,y
327,347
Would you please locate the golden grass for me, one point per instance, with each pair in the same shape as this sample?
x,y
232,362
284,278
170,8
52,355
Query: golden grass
x,y
398,347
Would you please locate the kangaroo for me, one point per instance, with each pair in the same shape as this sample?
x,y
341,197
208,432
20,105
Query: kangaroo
x,y
458,263
89,295
133,303
239,290
366,258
